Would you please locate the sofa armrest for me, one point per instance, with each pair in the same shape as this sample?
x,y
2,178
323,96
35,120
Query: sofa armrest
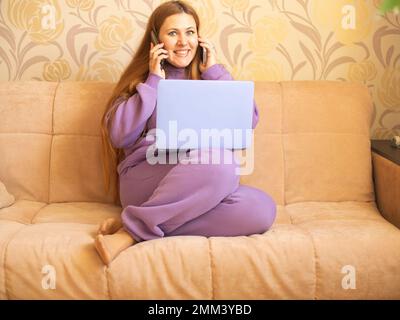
x,y
386,174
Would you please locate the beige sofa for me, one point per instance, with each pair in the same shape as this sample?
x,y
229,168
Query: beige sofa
x,y
312,154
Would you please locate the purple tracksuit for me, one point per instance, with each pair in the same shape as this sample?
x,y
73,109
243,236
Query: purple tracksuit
x,y
181,199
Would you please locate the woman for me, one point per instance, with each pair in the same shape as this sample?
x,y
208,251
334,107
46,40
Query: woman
x,y
171,199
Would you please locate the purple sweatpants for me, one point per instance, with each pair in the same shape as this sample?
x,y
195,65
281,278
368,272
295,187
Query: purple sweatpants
x,y
191,199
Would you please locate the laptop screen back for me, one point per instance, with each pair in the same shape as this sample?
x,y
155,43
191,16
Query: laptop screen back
x,y
195,114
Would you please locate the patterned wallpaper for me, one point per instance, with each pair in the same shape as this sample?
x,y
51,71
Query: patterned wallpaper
x,y
273,40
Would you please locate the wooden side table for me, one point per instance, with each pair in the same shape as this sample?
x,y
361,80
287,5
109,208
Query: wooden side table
x,y
386,173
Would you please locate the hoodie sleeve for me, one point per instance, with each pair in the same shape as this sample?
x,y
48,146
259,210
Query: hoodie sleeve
x,y
218,72
132,114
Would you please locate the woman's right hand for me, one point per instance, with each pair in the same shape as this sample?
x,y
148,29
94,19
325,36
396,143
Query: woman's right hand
x,y
157,53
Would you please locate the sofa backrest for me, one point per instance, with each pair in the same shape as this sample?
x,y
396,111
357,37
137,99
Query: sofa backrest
x,y
312,142
50,144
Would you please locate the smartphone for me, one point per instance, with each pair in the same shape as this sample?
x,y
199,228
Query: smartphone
x,y
203,52
155,41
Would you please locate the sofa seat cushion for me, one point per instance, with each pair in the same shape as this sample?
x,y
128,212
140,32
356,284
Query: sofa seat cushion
x,y
355,258
193,267
8,230
42,254
77,212
22,211
351,236
306,255
31,212
301,257
347,210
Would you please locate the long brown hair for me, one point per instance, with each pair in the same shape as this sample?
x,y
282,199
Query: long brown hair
x,y
136,72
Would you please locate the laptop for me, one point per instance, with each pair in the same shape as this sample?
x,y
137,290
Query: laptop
x,y
197,114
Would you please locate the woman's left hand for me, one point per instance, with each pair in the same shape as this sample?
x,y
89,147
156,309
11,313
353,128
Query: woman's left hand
x,y
211,54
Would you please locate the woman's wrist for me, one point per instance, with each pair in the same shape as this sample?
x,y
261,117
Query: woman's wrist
x,y
152,80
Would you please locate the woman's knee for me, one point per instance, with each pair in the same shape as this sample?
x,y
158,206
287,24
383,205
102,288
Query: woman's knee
x,y
267,211
261,209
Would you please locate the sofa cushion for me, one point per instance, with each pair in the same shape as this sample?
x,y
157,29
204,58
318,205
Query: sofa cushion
x,y
25,137
327,167
360,252
301,257
31,212
275,265
308,259
24,165
176,267
60,134
22,211
34,235
265,159
60,251
8,230
76,172
326,141
347,210
77,212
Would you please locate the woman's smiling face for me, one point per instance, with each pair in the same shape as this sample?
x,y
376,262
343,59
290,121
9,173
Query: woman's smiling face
x,y
179,35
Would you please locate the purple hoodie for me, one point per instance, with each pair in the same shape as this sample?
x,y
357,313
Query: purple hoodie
x,y
132,114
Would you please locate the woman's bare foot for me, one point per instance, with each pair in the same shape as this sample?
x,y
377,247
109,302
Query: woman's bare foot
x,y
109,226
111,245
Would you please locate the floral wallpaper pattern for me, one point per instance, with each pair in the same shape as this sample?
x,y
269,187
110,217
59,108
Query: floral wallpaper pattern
x,y
260,40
